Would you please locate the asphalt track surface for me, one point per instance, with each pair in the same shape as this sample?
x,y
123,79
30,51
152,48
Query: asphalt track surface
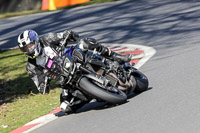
x,y
172,103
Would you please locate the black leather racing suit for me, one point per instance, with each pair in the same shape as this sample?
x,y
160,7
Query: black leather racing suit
x,y
51,47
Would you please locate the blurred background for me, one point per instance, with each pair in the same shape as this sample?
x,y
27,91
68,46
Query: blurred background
x,y
7,6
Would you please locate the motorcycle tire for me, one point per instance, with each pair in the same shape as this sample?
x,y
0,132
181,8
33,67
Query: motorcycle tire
x,y
142,82
94,90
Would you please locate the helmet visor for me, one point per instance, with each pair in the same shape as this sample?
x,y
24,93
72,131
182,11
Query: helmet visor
x,y
29,48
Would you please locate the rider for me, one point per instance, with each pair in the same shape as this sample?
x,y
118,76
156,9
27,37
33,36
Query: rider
x,y
40,49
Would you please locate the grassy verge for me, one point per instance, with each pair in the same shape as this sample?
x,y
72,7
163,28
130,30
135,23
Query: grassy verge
x,y
20,101
14,14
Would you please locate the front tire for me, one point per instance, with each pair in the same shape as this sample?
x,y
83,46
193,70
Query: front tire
x,y
100,93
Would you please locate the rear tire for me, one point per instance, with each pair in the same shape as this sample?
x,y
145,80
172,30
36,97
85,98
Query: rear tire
x,y
142,82
91,88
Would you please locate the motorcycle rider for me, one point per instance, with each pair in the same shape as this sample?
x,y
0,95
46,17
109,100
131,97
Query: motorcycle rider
x,y
40,49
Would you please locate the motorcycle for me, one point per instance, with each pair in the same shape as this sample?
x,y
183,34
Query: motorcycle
x,y
92,76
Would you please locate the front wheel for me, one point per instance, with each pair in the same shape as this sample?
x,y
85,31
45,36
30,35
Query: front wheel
x,y
91,88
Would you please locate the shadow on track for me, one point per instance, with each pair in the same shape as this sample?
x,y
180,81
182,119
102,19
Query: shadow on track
x,y
118,22
98,105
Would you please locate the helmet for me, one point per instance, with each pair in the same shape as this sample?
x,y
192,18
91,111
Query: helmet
x,y
28,42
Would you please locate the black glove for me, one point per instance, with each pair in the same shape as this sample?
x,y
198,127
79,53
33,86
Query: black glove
x,y
51,75
70,35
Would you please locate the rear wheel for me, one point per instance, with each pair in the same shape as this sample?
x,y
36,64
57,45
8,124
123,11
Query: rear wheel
x,y
115,97
142,82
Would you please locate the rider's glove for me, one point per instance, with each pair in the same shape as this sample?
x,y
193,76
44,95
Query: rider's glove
x,y
70,35
51,75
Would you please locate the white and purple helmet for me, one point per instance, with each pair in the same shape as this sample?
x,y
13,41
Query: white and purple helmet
x,y
28,42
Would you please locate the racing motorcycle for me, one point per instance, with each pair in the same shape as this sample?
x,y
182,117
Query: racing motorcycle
x,y
93,76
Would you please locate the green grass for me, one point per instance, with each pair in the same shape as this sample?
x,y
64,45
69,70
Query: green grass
x,y
23,110
20,101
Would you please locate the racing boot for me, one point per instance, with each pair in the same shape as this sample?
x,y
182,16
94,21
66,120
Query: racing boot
x,y
65,107
115,56
65,98
68,103
70,108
